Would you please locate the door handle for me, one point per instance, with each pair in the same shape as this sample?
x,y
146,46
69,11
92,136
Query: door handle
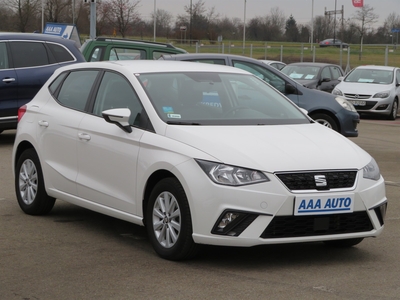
x,y
84,136
7,80
43,123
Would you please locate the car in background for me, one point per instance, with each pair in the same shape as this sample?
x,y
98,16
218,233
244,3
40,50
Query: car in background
x,y
333,112
333,43
27,60
319,76
373,90
143,141
103,48
274,63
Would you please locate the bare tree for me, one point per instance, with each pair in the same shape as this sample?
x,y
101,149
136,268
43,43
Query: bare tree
x,y
163,22
25,12
57,11
122,14
366,16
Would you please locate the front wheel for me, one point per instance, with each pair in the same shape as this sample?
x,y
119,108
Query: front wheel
x,y
325,120
344,243
393,113
168,221
29,185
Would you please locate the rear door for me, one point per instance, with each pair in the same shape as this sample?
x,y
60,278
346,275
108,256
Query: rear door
x,y
8,86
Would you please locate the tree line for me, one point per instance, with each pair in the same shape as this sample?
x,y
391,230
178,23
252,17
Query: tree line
x,y
122,18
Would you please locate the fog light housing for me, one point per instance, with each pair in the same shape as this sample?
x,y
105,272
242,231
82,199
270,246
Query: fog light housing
x,y
382,107
233,223
381,213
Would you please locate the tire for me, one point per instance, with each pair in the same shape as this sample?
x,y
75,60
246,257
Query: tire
x,y
344,243
168,221
325,120
29,185
393,113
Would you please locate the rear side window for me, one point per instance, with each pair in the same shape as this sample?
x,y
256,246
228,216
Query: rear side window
x,y
75,90
29,54
60,53
97,54
127,54
3,56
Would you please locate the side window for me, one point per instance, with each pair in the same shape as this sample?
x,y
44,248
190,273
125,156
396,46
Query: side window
x,y
56,83
326,73
262,73
60,53
398,76
28,54
126,54
336,73
75,90
3,56
97,54
116,92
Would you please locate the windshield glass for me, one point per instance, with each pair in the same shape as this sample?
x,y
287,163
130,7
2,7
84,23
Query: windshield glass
x,y
198,98
370,76
301,72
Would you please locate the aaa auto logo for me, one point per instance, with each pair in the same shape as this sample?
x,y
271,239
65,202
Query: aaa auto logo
x,y
358,3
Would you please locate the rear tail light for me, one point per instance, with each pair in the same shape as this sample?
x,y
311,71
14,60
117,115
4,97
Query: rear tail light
x,y
21,112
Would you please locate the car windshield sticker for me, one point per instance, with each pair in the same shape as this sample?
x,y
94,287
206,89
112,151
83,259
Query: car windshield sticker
x,y
365,80
168,109
309,76
296,76
174,116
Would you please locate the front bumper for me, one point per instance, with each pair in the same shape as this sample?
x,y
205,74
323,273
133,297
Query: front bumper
x,y
267,213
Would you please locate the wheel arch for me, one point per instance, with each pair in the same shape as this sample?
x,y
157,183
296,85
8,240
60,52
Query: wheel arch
x,y
151,182
329,113
24,145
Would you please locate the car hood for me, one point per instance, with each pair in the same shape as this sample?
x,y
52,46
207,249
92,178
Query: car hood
x,y
273,148
362,88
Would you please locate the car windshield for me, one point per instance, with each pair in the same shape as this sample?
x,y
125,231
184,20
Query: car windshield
x,y
203,98
301,72
370,76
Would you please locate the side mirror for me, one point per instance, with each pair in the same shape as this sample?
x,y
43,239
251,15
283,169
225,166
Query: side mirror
x,y
290,89
119,117
340,78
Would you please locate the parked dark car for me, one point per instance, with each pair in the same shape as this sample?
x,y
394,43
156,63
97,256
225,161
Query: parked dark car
x,y
27,60
320,76
334,112
333,43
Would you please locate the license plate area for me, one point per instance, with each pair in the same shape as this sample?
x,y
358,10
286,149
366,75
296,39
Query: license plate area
x,y
358,102
323,205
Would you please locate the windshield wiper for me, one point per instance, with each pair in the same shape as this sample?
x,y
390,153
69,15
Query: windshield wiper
x,y
182,123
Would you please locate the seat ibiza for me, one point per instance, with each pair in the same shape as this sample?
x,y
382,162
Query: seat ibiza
x,y
197,153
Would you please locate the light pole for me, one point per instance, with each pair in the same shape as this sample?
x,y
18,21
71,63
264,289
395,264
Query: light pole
x,y
190,24
312,25
155,20
244,26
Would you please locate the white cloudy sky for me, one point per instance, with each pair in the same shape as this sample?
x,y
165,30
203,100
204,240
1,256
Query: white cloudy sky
x,y
300,9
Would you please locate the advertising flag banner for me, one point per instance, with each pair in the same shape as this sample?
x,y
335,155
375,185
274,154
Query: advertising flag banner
x,y
358,3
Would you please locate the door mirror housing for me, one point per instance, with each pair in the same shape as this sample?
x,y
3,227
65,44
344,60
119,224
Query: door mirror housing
x,y
119,117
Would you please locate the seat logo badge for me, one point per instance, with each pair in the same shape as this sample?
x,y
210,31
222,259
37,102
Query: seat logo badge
x,y
320,180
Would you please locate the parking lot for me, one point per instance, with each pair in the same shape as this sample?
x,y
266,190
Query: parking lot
x,y
73,253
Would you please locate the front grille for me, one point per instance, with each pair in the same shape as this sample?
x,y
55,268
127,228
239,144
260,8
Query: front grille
x,y
307,181
302,226
357,96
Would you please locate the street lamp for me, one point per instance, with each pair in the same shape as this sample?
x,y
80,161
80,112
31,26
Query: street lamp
x,y
312,25
244,25
155,21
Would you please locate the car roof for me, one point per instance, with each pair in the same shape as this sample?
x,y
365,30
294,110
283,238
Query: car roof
x,y
374,67
315,64
155,66
33,36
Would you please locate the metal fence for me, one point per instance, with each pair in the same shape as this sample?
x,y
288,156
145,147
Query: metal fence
x,y
347,58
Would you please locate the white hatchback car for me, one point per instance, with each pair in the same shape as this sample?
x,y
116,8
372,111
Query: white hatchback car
x,y
372,90
197,153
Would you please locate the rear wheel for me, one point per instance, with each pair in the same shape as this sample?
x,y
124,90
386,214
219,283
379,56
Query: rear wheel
x,y
168,221
325,120
29,185
344,243
393,112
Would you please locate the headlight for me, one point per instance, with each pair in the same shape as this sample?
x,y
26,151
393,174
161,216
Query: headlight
x,y
337,92
345,104
231,175
384,94
371,171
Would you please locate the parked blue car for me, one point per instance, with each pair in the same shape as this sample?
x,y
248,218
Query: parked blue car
x,y
27,60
